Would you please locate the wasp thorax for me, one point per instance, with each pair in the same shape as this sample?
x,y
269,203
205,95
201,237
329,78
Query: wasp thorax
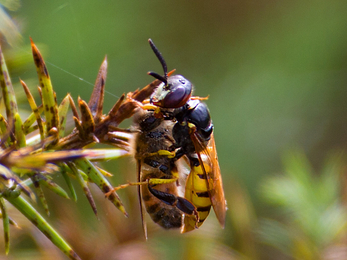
x,y
174,94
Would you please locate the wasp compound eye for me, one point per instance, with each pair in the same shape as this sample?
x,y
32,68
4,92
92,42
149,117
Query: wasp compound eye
x,y
174,94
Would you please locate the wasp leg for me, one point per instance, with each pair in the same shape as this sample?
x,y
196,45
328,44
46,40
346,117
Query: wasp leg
x,y
163,153
199,98
181,203
150,107
180,152
146,101
149,181
122,186
177,154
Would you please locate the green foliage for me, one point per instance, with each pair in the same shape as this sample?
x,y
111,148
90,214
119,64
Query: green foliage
x,y
275,73
26,162
314,216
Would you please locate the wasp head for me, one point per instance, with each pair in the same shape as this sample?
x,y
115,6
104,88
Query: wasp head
x,y
174,91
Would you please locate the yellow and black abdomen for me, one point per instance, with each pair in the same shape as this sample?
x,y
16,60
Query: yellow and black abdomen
x,y
165,215
197,192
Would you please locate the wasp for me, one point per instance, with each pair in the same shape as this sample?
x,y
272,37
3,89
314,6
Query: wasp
x,y
194,141
176,127
160,187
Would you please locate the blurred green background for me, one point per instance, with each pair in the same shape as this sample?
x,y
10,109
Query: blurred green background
x,y
275,73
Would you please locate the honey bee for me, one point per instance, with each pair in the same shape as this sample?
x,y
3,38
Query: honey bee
x,y
159,185
193,140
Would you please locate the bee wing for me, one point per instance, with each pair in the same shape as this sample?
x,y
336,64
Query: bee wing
x,y
139,192
214,177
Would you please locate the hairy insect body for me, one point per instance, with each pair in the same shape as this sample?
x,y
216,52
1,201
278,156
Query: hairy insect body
x,y
163,196
194,141
175,127
165,215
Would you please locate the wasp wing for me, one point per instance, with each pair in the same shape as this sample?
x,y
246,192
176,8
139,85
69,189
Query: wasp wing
x,y
207,156
139,192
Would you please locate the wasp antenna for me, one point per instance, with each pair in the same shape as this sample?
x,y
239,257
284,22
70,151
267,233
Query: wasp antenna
x,y
159,56
157,76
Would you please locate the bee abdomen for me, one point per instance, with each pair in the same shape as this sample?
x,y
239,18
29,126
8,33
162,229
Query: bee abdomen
x,y
167,218
161,213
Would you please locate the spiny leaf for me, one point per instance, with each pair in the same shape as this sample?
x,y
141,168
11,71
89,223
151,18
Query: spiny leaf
x,y
28,123
31,129
97,98
79,128
7,89
121,137
6,225
96,176
7,175
40,160
36,110
53,187
70,171
68,182
63,109
84,186
113,138
12,222
48,100
30,213
123,110
32,118
88,124
5,133
104,154
3,125
73,107
18,131
40,194
104,172
54,134
116,106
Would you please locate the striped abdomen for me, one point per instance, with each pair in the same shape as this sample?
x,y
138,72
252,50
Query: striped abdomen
x,y
155,135
197,192
165,215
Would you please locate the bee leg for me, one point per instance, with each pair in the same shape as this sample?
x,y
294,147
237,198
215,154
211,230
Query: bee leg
x,y
154,181
149,181
122,186
181,203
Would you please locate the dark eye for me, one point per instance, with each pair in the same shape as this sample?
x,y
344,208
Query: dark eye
x,y
176,98
178,90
